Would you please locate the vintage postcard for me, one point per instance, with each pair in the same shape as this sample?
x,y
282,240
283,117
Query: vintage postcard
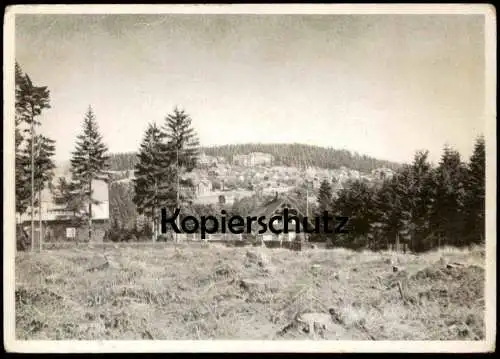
x,y
250,178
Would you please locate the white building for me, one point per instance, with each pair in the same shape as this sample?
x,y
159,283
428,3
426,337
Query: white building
x,y
203,187
254,159
206,161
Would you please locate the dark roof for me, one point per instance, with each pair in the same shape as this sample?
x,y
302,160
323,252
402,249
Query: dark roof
x,y
270,207
267,209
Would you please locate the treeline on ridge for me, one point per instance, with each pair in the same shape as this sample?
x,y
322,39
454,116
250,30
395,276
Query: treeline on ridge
x,y
298,155
422,207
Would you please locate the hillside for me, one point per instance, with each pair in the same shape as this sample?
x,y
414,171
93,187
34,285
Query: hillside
x,y
295,154
300,155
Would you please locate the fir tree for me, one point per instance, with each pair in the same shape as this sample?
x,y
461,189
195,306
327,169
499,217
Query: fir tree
x,y
448,213
476,193
324,196
22,165
30,101
387,212
356,201
181,150
44,165
22,169
403,204
182,139
417,197
153,176
89,161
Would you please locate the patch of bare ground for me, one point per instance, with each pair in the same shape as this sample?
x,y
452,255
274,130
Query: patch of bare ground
x,y
213,292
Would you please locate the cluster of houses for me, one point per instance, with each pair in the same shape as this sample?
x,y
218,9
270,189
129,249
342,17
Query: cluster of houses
x,y
214,182
59,224
254,159
274,207
205,161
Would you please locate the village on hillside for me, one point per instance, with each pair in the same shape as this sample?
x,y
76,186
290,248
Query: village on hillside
x,y
255,173
214,181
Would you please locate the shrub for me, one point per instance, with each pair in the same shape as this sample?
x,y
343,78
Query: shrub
x,y
23,241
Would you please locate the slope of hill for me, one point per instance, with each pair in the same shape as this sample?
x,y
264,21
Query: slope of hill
x,y
295,154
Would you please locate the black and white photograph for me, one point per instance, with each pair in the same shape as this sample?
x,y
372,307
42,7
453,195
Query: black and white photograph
x,y
249,178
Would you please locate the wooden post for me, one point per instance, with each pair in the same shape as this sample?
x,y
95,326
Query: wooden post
x,y
40,219
177,188
90,209
155,222
32,209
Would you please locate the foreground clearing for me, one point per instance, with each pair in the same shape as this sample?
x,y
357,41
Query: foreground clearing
x,y
215,292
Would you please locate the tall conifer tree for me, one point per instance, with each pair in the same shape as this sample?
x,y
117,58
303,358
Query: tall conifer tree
x,y
476,194
89,161
154,177
448,212
324,196
181,148
30,102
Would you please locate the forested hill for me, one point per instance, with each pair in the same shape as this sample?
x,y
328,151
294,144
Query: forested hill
x,y
284,154
299,155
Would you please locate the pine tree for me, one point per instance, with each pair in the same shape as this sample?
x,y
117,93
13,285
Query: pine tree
x,y
476,193
22,160
417,197
153,176
448,212
324,196
182,139
403,205
357,201
44,165
181,149
22,169
30,101
89,161
387,212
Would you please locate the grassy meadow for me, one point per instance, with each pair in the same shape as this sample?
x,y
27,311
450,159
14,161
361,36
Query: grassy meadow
x,y
208,291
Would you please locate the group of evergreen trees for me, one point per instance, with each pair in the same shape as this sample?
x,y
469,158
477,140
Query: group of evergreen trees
x,y
34,165
33,152
420,208
164,156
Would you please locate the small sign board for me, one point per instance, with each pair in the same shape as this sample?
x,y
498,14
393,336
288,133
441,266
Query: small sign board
x,y
267,237
70,232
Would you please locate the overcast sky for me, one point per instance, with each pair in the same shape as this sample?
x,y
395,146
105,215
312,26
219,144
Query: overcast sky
x,y
380,85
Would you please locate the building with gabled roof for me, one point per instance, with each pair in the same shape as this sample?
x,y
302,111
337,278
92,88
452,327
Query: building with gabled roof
x,y
276,207
59,224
